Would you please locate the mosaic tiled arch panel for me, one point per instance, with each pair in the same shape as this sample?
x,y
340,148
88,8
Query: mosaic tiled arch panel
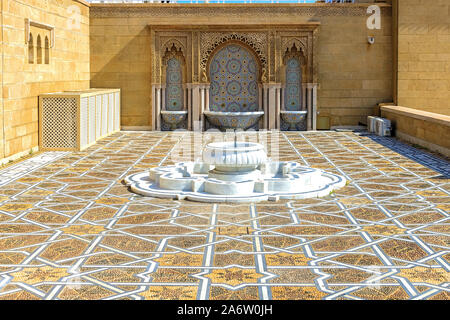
x,y
174,85
234,74
293,91
174,90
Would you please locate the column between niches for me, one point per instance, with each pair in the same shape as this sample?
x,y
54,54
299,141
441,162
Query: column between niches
x,y
272,103
188,104
196,110
156,106
262,121
278,106
311,93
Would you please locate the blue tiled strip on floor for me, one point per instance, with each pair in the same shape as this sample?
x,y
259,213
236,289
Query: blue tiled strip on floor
x,y
433,162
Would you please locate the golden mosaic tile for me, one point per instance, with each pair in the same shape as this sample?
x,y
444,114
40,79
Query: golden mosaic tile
x,y
234,276
383,230
21,295
337,243
286,259
234,231
38,193
112,201
403,250
247,293
30,180
64,249
233,258
104,258
359,259
11,257
84,292
355,201
180,259
11,207
432,193
81,230
445,207
175,275
37,275
21,241
46,217
128,243
427,275
170,293
297,293
99,213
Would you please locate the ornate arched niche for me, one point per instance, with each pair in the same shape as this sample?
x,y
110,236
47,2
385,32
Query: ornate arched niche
x,y
295,51
255,42
175,51
174,78
234,72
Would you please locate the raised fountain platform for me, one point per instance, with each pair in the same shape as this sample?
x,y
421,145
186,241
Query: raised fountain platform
x,y
235,172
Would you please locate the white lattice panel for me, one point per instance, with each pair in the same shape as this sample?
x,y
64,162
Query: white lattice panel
x,y
74,120
91,119
117,112
110,113
98,117
104,115
59,125
84,124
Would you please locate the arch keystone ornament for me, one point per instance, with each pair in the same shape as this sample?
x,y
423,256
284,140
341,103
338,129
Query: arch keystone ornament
x,y
234,172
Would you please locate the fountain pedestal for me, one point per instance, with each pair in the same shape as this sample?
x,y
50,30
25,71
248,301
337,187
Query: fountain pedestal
x,y
234,161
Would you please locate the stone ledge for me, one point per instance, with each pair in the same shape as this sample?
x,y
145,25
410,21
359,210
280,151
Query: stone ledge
x,y
427,129
418,114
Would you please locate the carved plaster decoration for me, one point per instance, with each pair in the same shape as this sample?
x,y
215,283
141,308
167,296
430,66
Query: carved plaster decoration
x,y
211,40
174,52
263,75
293,52
269,11
173,42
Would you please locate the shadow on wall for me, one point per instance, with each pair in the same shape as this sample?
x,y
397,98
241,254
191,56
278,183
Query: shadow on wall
x,y
124,62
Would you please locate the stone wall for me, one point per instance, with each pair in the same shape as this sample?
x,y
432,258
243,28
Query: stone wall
x,y
353,76
424,55
22,81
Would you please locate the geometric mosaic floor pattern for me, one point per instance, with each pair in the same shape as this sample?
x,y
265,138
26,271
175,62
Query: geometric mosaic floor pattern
x,y
70,229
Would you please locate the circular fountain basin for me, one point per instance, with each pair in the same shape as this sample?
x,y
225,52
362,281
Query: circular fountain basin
x,y
235,172
234,156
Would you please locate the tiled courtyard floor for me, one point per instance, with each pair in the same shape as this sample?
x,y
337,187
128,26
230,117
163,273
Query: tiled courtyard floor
x,y
69,228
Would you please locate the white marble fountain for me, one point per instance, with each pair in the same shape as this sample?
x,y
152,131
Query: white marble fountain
x,y
234,172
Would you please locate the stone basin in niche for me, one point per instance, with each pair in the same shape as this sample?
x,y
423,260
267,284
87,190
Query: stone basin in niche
x,y
233,120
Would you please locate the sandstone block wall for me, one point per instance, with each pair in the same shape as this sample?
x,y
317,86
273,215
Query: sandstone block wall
x,y
22,82
424,55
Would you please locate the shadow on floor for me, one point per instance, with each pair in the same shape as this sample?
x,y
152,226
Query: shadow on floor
x,y
424,158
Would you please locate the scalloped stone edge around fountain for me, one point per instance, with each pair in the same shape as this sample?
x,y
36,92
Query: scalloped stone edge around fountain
x,y
175,182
